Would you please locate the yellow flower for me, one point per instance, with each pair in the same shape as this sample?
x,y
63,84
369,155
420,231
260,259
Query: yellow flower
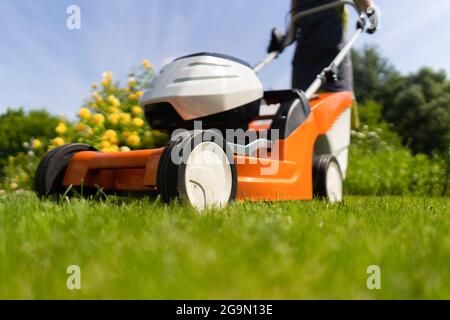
x,y
136,110
84,113
114,148
107,75
80,127
105,145
125,149
139,94
138,122
110,149
132,96
98,118
113,101
89,131
61,128
57,142
97,97
147,64
114,118
125,118
36,144
126,134
113,109
14,186
132,81
134,140
95,85
110,135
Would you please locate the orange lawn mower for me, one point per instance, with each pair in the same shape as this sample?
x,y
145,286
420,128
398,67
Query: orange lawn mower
x,y
296,151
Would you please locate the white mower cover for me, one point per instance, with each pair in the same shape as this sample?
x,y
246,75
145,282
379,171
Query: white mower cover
x,y
204,85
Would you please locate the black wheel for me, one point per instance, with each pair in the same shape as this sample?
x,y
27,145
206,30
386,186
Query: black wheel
x,y
52,168
198,168
327,178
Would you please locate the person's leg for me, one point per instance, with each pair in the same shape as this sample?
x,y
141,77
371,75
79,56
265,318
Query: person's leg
x,y
307,66
304,69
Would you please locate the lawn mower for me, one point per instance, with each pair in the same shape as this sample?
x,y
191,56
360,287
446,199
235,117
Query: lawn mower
x,y
297,151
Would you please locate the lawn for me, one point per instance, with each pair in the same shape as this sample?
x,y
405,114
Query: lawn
x,y
141,249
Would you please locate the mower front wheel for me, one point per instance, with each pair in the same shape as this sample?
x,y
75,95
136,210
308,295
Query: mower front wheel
x,y
50,173
327,178
197,167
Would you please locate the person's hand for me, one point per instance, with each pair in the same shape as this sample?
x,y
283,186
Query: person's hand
x,y
373,15
276,42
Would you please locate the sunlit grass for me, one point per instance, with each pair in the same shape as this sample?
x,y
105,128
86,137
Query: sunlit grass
x,y
141,249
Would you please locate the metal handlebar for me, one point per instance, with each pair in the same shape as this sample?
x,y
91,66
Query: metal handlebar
x,y
290,34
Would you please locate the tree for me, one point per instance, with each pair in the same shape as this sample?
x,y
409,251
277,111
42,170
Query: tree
x,y
419,107
371,73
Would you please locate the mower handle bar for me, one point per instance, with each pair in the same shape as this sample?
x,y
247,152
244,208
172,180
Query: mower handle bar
x,y
290,35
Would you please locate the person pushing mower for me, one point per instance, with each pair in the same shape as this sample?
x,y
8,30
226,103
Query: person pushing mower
x,y
320,38
306,158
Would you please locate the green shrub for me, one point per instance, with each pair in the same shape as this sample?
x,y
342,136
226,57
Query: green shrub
x,y
19,171
378,167
111,119
18,127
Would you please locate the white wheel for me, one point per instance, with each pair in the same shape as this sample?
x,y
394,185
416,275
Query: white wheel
x,y
327,178
334,182
198,168
208,177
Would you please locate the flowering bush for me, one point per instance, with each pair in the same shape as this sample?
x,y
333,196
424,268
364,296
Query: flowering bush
x,y
18,125
19,170
111,120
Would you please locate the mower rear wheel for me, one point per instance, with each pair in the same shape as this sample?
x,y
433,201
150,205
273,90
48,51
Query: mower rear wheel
x,y
198,168
327,178
50,173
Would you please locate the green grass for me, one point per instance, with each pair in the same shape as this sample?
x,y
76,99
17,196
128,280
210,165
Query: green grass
x,y
141,249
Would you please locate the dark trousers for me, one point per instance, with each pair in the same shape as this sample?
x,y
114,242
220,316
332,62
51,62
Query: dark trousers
x,y
319,40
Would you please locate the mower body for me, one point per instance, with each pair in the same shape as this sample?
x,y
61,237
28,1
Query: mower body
x,y
226,93
294,146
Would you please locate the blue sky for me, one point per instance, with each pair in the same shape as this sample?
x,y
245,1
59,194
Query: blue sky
x,y
43,64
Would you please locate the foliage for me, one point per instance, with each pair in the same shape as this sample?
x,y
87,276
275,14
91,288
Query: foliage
x,y
420,110
18,127
372,73
386,170
111,119
418,105
19,171
379,164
